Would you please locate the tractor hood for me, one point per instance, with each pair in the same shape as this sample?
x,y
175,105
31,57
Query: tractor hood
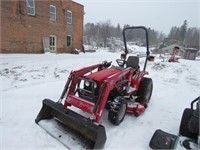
x,y
103,74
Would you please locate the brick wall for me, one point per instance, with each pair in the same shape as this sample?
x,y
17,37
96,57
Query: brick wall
x,y
21,33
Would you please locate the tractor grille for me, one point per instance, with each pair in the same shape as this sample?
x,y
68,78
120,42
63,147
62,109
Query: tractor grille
x,y
88,89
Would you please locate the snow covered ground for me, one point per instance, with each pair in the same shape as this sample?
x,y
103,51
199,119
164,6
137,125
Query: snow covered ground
x,y
26,79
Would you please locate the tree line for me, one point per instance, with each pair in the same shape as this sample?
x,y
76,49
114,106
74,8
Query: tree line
x,y
101,33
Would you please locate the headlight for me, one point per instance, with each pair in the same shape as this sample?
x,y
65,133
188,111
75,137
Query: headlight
x,y
95,85
87,83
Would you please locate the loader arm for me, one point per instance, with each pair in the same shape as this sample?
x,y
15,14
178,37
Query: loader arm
x,y
85,70
72,81
92,135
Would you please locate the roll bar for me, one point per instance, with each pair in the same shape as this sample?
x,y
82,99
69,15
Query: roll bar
x,y
147,41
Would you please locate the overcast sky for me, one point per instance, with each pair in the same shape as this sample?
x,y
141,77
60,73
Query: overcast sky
x,y
160,15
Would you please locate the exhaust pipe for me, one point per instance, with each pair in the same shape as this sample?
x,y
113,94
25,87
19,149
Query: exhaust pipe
x,y
74,122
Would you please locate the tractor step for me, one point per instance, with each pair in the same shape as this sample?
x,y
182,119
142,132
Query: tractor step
x,y
131,90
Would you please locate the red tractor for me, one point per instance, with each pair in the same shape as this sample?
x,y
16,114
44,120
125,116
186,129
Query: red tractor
x,y
119,89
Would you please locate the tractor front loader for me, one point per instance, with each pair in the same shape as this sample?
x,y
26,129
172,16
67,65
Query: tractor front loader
x,y
91,90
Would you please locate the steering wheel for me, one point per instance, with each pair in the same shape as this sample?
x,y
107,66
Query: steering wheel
x,y
107,64
120,62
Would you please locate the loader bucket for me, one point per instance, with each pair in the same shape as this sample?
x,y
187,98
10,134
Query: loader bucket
x,y
94,134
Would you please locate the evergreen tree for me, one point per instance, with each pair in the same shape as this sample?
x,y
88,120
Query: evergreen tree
x,y
118,31
183,31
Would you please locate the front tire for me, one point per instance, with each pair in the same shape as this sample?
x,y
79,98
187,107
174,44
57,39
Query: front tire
x,y
145,90
117,110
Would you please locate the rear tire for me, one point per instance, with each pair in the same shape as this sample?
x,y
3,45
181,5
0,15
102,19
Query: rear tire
x,y
184,126
145,90
117,111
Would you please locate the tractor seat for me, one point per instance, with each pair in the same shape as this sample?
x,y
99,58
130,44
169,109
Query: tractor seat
x,y
133,62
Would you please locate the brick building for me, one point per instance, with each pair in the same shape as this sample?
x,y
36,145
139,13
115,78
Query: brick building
x,y
35,26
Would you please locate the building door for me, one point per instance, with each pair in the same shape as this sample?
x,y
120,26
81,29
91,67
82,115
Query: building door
x,y
46,44
52,43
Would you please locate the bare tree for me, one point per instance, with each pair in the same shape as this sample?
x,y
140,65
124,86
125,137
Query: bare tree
x,y
105,31
102,31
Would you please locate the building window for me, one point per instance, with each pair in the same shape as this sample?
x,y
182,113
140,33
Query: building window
x,y
52,11
52,43
20,7
69,17
69,40
30,7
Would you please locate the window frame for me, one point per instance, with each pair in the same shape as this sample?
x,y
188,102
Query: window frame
x,y
28,6
69,19
52,13
54,43
69,41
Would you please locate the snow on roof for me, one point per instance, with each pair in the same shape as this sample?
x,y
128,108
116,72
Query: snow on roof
x,y
191,49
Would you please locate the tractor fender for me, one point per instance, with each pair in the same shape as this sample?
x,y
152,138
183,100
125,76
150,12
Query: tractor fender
x,y
136,79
